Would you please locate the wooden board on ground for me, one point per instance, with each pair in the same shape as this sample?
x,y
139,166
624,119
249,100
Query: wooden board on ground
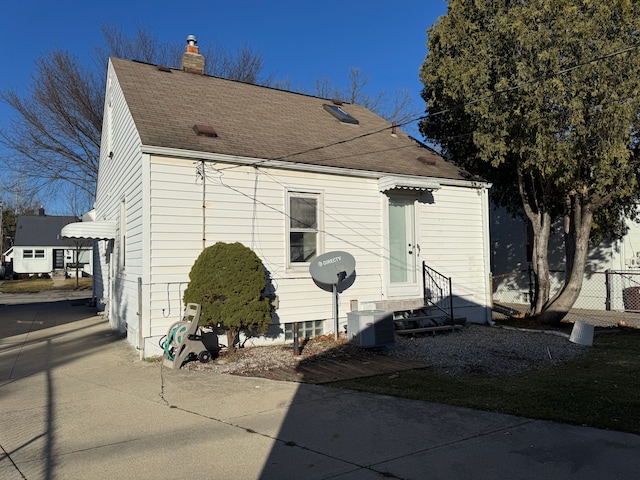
x,y
330,370
410,331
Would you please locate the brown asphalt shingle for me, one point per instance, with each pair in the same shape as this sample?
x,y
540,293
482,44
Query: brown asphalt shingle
x,y
265,123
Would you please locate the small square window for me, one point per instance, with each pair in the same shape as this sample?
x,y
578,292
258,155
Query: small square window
x,y
39,254
27,254
306,330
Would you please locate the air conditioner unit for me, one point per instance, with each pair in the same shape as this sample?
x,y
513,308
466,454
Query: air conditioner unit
x,y
370,328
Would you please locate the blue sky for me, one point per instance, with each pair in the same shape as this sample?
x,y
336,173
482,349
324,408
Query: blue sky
x,y
299,40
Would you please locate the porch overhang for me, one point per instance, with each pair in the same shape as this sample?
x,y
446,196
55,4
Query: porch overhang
x,y
100,230
391,182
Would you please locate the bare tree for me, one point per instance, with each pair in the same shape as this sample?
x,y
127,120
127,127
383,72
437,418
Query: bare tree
x,y
244,64
53,139
10,212
400,108
55,135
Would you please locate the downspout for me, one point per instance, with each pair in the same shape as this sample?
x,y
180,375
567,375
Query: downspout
x,y
140,338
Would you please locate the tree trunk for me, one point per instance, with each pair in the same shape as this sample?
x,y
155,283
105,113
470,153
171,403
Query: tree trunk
x,y
540,219
577,243
232,337
569,238
540,260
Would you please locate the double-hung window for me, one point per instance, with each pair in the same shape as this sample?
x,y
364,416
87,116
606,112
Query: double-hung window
x,y
303,227
27,254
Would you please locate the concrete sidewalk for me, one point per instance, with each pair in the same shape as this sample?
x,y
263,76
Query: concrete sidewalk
x,y
77,403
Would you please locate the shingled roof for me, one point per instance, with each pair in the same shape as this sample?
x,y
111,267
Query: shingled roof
x,y
253,121
41,230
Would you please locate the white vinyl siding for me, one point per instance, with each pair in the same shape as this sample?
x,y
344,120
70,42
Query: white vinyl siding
x,y
32,260
453,241
249,205
120,179
236,211
175,207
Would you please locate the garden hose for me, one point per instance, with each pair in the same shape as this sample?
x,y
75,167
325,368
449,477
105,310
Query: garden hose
x,y
174,338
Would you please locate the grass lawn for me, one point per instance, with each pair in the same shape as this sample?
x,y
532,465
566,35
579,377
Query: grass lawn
x,y
599,389
34,285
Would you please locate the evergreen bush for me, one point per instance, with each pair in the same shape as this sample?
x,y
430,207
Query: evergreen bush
x,y
228,280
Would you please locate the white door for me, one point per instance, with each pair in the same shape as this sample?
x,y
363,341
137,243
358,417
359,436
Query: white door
x,y
402,267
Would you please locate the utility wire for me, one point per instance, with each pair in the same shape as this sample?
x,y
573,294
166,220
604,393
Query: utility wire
x,y
542,78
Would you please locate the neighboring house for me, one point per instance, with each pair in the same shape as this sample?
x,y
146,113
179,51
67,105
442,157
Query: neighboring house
x,y
37,248
188,160
611,268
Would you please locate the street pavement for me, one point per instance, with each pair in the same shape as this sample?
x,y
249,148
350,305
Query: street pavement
x,y
76,402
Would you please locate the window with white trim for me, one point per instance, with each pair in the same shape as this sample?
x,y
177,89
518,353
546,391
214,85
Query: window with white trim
x,y
27,254
39,254
303,226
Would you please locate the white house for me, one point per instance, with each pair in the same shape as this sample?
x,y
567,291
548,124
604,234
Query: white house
x,y
612,271
37,248
188,160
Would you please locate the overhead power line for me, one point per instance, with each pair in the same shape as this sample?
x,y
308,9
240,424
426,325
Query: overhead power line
x,y
540,79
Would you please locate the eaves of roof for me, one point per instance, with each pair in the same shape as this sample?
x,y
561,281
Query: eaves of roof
x,y
300,166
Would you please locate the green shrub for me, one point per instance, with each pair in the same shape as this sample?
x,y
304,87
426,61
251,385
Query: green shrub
x,y
228,280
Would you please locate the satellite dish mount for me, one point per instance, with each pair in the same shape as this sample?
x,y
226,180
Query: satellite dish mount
x,y
332,269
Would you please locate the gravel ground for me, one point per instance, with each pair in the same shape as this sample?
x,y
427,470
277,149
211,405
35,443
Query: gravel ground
x,y
486,350
475,349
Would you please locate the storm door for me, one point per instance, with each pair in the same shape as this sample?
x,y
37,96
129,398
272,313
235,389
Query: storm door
x,y
402,247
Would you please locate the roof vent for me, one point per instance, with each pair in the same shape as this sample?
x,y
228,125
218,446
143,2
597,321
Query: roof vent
x,y
204,131
336,101
427,160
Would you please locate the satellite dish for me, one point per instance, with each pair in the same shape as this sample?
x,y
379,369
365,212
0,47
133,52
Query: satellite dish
x,y
332,268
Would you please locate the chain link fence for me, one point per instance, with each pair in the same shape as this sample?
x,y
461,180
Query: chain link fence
x,y
607,298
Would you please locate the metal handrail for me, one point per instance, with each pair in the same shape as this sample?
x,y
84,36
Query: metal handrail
x,y
441,286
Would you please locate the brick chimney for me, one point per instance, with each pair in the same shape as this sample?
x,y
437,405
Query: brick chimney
x,y
192,61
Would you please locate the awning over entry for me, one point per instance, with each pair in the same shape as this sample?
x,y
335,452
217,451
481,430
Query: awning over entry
x,y
101,230
408,183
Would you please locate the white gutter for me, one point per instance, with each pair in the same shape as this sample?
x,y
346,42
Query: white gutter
x,y
296,166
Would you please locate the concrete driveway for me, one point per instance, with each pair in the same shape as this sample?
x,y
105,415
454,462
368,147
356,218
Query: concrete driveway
x,y
77,403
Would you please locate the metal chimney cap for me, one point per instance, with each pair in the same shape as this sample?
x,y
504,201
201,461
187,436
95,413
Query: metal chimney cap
x,y
191,40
